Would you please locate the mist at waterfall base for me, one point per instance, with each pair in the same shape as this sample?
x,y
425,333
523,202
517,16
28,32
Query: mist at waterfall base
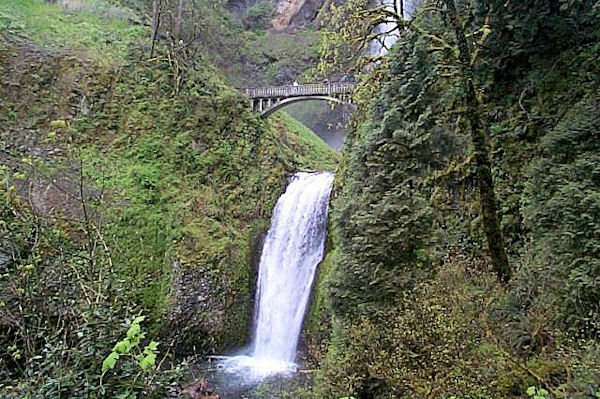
x,y
293,248
326,121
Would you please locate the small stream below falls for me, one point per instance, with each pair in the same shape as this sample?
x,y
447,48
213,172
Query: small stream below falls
x,y
293,248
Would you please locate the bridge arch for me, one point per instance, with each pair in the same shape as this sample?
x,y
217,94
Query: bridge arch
x,y
287,101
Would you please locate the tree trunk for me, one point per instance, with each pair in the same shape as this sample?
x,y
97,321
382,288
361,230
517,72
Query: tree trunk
x,y
479,133
177,27
155,24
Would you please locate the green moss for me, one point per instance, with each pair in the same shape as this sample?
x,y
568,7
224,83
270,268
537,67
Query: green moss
x,y
100,30
199,179
317,328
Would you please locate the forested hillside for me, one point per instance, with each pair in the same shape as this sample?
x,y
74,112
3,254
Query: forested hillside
x,y
136,184
413,300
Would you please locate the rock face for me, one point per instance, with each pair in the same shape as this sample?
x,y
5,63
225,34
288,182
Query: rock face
x,y
209,312
296,12
290,13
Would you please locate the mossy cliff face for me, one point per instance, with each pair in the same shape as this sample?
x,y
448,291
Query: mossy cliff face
x,y
407,304
159,181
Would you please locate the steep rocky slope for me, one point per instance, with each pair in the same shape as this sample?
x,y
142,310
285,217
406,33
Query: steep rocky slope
x,y
129,187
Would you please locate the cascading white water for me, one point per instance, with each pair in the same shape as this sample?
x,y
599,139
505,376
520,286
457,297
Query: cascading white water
x,y
389,30
293,248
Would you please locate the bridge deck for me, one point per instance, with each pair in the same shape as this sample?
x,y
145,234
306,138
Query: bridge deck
x,y
302,90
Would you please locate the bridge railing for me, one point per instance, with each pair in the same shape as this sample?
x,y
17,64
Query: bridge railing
x,y
301,90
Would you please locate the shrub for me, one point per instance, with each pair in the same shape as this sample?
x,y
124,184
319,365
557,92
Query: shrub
x,y
259,15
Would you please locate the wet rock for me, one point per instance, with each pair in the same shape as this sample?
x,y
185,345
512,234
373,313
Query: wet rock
x,y
197,316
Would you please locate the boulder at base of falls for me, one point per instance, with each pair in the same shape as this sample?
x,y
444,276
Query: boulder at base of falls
x,y
208,312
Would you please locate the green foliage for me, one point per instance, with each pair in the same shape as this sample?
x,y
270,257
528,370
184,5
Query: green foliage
x,y
62,298
412,307
529,32
310,149
561,196
383,215
140,362
428,342
537,393
350,29
247,58
270,58
259,15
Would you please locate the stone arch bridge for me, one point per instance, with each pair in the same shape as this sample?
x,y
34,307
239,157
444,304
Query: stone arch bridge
x,y
266,100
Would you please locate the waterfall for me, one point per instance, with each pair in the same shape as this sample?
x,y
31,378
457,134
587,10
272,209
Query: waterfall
x,y
389,29
293,248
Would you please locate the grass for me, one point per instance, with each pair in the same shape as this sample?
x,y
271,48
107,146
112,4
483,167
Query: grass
x,y
311,149
97,29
